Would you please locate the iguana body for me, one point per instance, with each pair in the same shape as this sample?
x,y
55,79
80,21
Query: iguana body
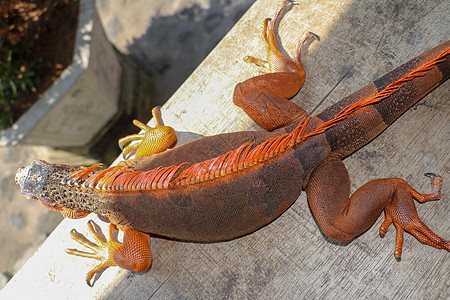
x,y
224,186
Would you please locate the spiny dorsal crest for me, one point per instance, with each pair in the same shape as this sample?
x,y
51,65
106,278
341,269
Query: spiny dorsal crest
x,y
241,158
123,178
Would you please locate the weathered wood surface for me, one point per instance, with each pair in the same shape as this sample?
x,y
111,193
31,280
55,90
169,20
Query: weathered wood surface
x,y
361,40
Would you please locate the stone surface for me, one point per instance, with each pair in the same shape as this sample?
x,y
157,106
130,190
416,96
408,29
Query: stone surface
x,y
168,39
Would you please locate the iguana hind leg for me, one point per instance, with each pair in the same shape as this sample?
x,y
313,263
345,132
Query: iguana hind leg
x,y
134,254
343,218
264,97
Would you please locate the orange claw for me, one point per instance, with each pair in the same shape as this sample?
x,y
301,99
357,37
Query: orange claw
x,y
403,214
276,61
152,140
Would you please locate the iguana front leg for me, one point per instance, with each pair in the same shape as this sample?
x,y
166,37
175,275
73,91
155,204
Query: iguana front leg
x,y
134,254
153,140
264,97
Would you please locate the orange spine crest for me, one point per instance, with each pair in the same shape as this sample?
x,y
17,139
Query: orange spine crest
x,y
239,159
79,176
125,179
379,96
121,178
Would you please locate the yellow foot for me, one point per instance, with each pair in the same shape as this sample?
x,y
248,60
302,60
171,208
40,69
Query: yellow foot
x,y
101,252
152,140
134,254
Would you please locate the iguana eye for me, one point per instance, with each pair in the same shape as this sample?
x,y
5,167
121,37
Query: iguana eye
x,y
30,197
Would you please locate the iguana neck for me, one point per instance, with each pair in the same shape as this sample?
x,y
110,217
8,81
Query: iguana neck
x,y
45,182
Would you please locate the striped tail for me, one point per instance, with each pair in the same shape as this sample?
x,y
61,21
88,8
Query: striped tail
x,y
360,117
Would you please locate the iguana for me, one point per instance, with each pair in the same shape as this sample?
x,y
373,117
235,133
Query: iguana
x,y
225,186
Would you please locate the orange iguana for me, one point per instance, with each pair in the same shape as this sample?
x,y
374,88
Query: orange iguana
x,y
224,186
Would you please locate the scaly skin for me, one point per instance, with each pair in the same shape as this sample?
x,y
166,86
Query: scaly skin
x,y
152,140
238,182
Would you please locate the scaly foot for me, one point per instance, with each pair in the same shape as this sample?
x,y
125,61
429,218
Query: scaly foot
x,y
133,255
152,140
276,61
402,212
101,252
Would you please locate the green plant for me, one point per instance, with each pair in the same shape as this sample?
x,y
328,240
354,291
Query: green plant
x,y
19,74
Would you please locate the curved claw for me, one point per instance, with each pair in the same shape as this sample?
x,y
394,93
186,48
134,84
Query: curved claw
x,y
257,61
306,37
436,182
431,175
130,138
402,212
276,61
102,251
384,227
152,140
134,254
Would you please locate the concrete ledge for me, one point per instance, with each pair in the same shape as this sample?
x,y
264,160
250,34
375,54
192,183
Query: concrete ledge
x,y
84,98
290,258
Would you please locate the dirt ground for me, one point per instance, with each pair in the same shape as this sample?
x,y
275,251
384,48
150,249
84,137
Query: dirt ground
x,y
49,26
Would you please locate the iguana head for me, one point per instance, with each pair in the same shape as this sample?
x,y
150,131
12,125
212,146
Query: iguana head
x,y
33,179
42,181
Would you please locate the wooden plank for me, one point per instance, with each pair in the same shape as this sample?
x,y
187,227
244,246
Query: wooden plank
x,y
361,40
